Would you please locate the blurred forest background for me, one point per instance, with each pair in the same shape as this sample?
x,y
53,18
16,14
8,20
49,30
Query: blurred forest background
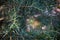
x,y
29,19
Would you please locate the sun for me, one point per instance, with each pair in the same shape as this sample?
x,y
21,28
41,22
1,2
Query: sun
x,y
35,24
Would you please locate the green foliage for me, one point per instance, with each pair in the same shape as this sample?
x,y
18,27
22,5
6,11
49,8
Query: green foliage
x,y
23,9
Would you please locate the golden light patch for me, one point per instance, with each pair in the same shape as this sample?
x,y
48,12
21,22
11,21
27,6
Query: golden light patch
x,y
35,24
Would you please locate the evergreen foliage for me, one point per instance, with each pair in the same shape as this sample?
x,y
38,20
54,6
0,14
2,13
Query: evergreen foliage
x,y
18,11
